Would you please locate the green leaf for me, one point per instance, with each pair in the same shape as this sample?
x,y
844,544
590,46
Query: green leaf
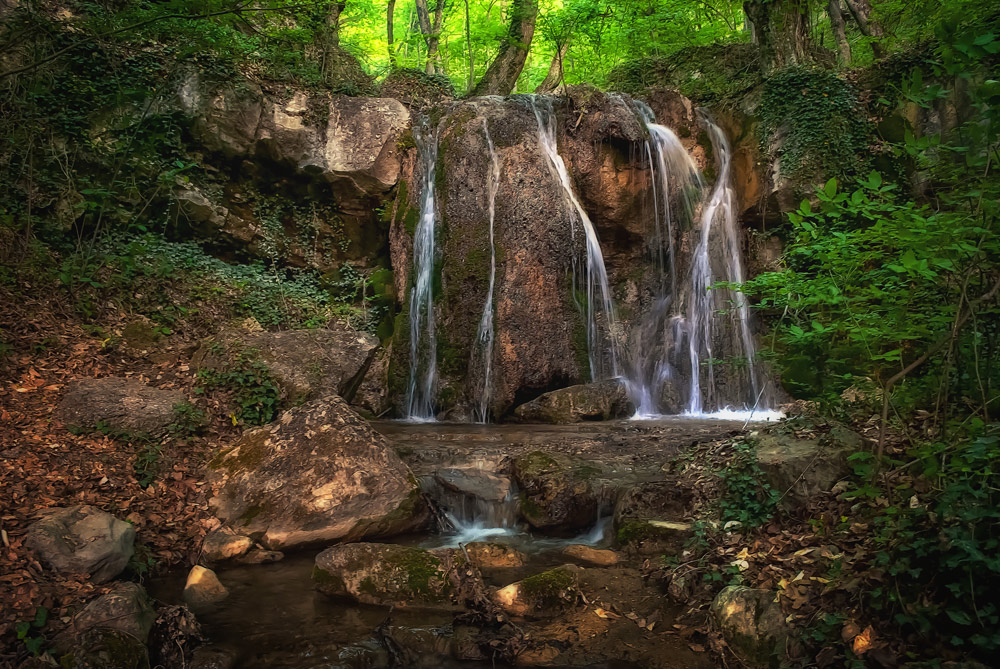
x,y
830,188
960,617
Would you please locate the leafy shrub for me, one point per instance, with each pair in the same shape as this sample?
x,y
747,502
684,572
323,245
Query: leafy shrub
x,y
747,497
256,394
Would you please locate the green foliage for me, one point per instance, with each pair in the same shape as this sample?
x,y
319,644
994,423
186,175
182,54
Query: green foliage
x,y
940,546
142,561
30,632
255,392
815,116
147,462
747,497
189,420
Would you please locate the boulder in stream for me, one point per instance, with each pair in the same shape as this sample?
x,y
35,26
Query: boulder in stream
x,y
203,588
388,575
319,474
556,492
595,556
603,400
652,517
543,595
83,540
224,544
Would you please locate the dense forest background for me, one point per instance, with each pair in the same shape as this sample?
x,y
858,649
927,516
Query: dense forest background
x,y
882,311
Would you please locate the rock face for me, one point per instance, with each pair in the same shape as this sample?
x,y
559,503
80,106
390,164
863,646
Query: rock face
x,y
542,595
305,364
124,405
594,401
319,474
801,469
540,341
339,152
556,492
753,625
83,540
387,575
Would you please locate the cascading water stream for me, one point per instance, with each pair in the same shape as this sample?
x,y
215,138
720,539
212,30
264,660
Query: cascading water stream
x,y
720,211
675,178
485,335
595,276
423,341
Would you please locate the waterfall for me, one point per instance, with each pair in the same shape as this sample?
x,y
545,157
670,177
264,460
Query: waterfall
x,y
721,211
678,329
484,337
674,177
423,342
598,294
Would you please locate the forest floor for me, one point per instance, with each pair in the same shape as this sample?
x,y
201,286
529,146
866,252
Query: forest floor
x,y
818,560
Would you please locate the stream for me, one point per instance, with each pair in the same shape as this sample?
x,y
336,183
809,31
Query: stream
x,y
273,617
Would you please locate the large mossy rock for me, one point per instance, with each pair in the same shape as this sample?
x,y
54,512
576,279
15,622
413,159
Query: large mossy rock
x,y
753,626
802,468
83,540
305,364
389,575
593,401
557,492
319,474
122,405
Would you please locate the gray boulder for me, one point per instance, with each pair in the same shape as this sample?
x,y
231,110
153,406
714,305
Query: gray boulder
x,y
126,609
556,492
124,405
83,540
592,401
800,469
319,474
305,364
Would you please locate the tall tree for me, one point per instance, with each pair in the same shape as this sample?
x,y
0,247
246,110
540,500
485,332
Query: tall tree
x,y
501,76
781,30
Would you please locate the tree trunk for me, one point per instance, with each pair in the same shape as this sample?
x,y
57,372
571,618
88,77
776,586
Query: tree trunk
x,y
328,38
554,78
780,28
471,78
839,30
861,11
388,31
432,34
502,74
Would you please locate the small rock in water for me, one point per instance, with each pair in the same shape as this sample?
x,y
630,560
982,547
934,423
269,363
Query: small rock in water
x,y
203,588
595,556
260,556
474,483
541,596
486,555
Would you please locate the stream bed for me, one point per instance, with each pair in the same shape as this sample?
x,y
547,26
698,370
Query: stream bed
x,y
273,617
